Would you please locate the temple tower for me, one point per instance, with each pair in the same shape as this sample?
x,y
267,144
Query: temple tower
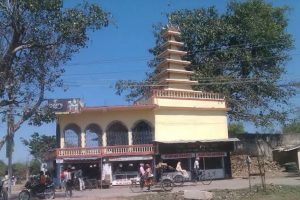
x,y
173,74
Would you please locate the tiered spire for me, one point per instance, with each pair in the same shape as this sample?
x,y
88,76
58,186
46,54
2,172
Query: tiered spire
x,y
173,75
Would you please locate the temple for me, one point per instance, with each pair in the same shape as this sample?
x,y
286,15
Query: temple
x,y
172,122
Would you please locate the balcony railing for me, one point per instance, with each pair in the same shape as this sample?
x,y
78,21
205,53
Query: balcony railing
x,y
145,149
187,95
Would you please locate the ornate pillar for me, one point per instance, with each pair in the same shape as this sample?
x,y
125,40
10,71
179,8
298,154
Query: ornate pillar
x,y
104,142
62,140
82,139
129,137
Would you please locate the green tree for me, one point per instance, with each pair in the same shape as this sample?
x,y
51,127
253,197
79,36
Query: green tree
x,y
37,38
236,128
39,145
240,53
293,127
19,170
35,167
2,168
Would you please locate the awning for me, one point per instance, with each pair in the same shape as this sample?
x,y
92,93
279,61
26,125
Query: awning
x,y
82,158
287,148
199,141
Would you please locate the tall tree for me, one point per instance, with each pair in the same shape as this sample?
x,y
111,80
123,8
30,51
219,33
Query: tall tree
x,y
39,145
292,127
240,53
36,39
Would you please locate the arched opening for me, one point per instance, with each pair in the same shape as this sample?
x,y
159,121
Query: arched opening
x,y
93,136
117,134
72,136
142,133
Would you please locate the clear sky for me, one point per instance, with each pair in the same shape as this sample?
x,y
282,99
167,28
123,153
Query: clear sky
x,y
121,52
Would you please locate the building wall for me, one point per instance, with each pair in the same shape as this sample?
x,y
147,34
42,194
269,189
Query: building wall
x,y
168,124
103,119
174,125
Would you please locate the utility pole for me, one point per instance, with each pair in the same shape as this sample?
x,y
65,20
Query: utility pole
x,y
9,145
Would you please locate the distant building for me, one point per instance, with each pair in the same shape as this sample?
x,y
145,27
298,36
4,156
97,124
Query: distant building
x,y
172,122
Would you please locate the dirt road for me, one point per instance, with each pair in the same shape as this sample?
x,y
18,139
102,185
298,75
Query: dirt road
x,y
117,192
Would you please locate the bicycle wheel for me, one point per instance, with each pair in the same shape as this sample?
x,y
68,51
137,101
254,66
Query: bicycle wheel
x,y
135,186
49,193
68,193
167,184
24,195
178,180
206,179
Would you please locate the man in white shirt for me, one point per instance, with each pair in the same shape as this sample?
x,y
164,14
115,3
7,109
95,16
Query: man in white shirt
x,y
142,174
196,168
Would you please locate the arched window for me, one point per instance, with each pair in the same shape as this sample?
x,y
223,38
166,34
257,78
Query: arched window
x,y
72,136
142,133
93,136
117,134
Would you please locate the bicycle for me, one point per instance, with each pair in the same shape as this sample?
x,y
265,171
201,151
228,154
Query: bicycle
x,y
68,187
206,177
90,183
137,185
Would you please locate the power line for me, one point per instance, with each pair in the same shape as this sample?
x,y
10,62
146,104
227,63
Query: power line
x,y
140,59
161,85
129,71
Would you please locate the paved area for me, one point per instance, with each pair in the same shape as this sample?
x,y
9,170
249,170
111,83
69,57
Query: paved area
x,y
117,192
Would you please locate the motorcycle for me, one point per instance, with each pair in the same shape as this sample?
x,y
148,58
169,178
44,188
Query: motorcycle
x,y
3,190
34,189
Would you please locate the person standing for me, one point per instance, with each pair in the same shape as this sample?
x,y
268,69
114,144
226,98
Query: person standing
x,y
148,176
159,169
142,175
196,169
68,182
78,175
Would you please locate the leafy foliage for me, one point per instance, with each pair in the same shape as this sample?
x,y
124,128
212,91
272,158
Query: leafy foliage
x,y
35,167
2,168
20,170
36,39
293,127
240,53
39,145
236,128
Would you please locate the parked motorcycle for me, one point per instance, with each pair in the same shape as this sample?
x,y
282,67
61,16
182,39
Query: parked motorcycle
x,y
3,190
33,189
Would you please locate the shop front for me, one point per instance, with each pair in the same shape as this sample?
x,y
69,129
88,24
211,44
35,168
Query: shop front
x,y
214,156
90,168
122,170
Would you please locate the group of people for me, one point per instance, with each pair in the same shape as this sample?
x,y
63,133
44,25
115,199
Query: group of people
x,y
146,175
68,177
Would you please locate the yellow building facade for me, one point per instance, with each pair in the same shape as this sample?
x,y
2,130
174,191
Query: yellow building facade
x,y
113,140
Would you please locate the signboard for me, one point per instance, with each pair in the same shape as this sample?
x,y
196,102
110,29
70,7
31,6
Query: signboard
x,y
211,154
177,155
73,105
132,158
59,161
